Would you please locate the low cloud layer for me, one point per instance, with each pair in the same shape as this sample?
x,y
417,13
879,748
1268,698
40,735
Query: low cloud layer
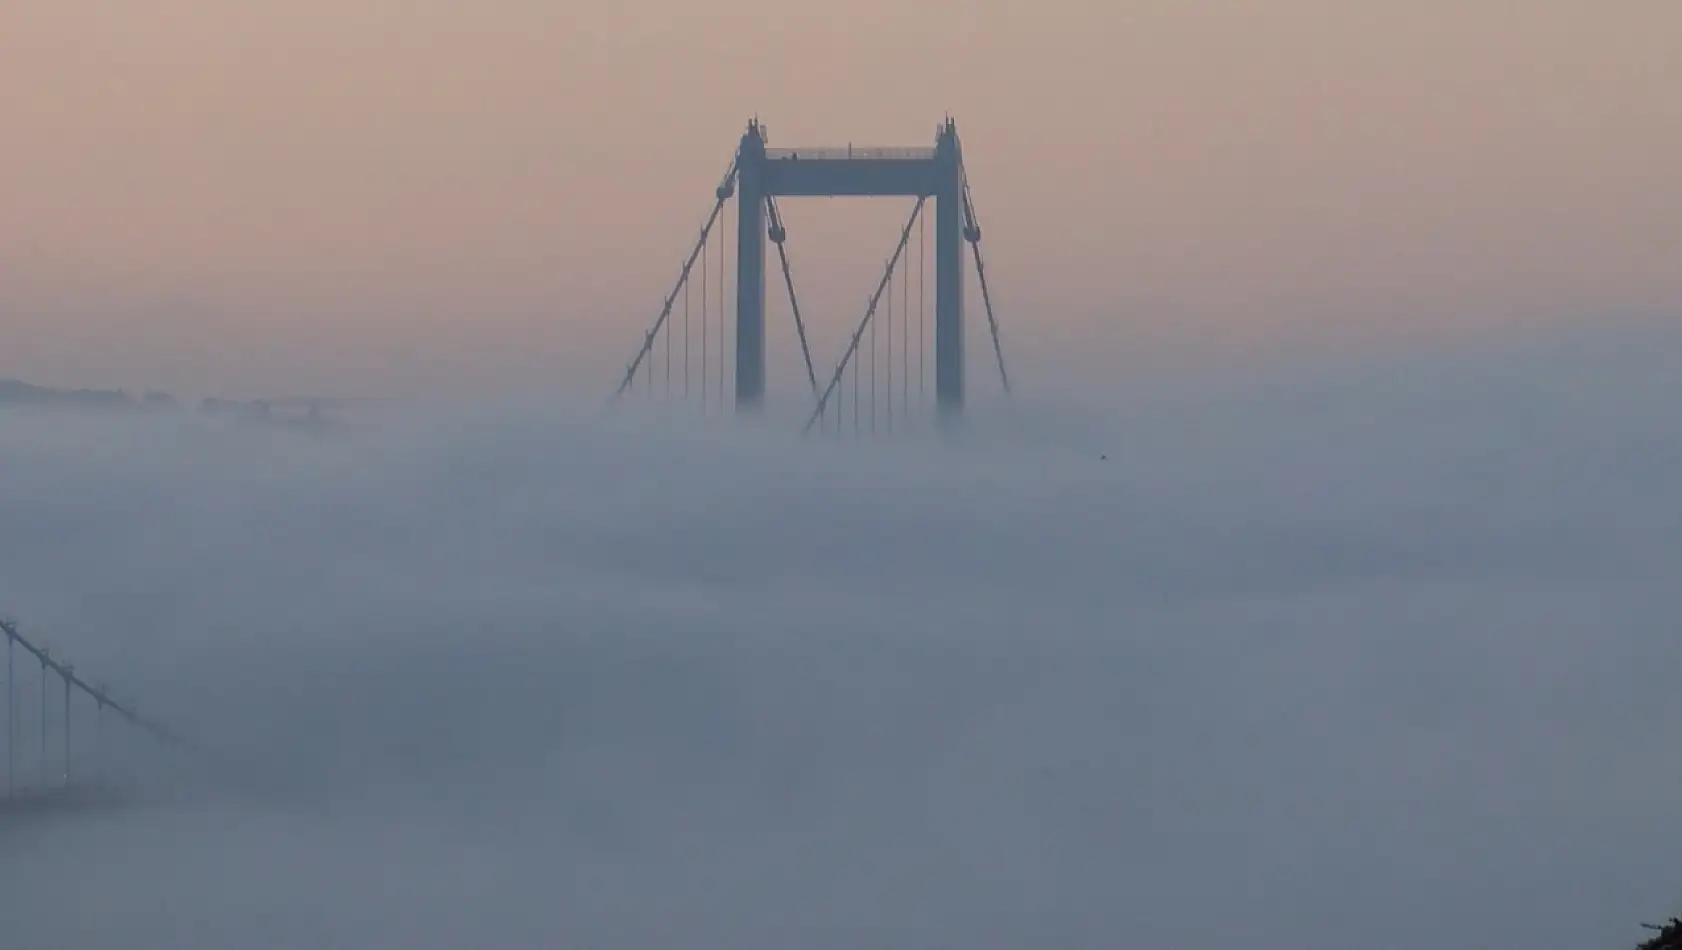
x,y
1385,655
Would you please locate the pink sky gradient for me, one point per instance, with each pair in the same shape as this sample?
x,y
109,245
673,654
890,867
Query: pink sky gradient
x,y
380,197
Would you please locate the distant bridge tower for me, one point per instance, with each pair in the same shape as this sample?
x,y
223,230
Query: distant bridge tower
x,y
759,175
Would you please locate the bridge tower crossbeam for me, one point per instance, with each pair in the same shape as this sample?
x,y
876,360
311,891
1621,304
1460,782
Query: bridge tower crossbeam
x,y
759,175
935,173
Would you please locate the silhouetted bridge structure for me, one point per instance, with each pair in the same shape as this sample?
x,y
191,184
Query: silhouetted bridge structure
x,y
676,362
62,760
55,765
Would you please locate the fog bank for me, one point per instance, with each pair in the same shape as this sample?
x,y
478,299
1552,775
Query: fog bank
x,y
1383,654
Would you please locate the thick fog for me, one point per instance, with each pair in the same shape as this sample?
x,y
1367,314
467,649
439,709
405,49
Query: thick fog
x,y
1382,654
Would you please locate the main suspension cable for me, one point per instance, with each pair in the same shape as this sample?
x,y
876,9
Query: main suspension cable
x,y
778,233
725,189
73,683
972,233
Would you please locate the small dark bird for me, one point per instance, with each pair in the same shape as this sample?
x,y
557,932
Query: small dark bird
x,y
1103,458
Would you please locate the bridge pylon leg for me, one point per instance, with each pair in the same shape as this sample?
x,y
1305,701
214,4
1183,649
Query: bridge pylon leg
x,y
750,272
949,276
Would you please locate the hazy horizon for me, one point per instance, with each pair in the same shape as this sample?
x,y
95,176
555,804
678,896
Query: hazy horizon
x,y
380,198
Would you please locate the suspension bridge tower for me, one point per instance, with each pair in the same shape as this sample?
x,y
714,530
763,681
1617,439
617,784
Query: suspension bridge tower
x,y
759,175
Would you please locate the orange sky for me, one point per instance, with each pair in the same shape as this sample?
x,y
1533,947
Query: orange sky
x,y
379,196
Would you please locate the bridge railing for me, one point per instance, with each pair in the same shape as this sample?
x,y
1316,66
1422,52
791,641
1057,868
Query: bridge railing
x,y
849,153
